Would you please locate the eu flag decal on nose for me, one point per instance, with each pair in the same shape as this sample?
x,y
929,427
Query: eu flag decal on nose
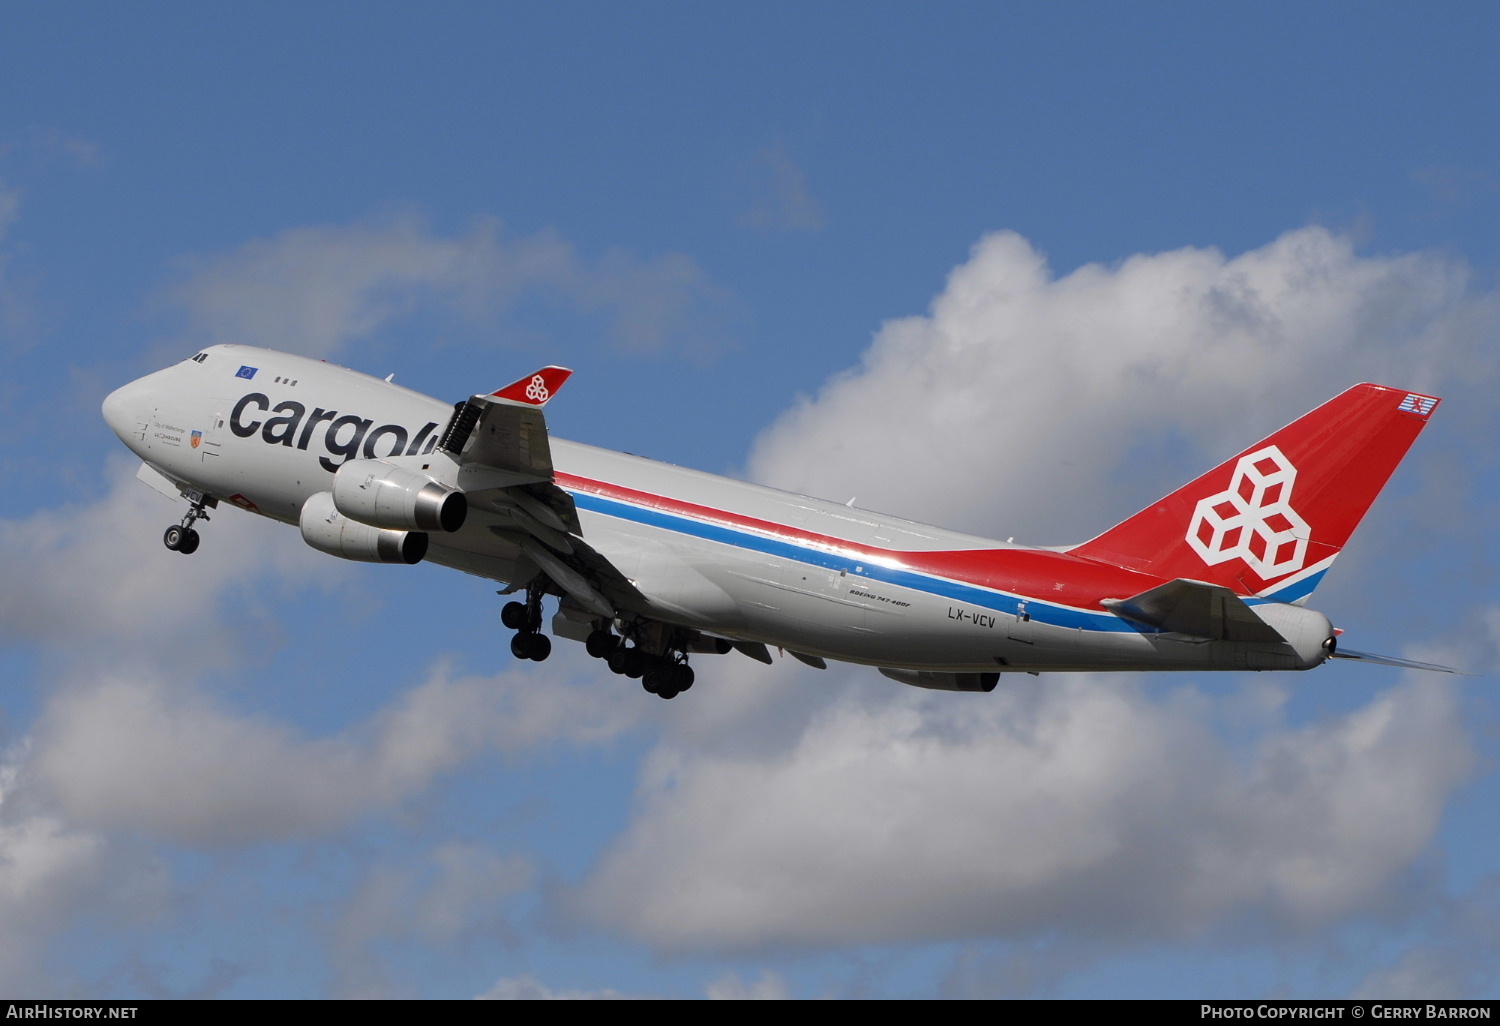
x,y
246,372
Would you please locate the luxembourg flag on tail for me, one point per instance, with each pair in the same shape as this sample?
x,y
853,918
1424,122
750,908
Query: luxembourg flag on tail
x,y
1421,405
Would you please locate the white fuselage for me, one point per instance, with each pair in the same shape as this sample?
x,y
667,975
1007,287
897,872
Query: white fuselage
x,y
722,556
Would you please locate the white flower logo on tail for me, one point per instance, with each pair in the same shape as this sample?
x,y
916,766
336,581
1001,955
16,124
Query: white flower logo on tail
x,y
1253,519
537,390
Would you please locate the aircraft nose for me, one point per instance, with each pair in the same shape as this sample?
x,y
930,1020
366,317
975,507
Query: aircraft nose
x,y
121,411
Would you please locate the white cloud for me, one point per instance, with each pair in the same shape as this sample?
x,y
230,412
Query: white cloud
x,y
19,319
790,807
1455,959
95,580
313,290
1017,970
47,871
782,200
144,755
1075,805
55,144
1022,403
729,987
770,987
529,988
457,896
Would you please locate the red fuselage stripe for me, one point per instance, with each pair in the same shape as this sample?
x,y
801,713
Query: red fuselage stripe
x,y
1040,574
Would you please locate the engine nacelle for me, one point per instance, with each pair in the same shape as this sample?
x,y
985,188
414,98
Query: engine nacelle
x,y
380,494
328,530
944,681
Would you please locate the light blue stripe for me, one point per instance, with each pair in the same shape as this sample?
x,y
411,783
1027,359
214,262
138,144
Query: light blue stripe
x,y
1300,589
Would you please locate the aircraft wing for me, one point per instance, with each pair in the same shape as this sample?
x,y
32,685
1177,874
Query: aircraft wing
x,y
1196,609
499,442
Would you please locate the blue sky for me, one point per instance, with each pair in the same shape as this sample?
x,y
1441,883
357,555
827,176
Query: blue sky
x,y
1016,269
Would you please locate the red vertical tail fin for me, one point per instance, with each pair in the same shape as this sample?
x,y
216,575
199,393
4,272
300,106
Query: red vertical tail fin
x,y
1271,520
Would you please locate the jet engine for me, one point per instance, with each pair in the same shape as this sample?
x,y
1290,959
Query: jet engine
x,y
383,495
328,530
944,681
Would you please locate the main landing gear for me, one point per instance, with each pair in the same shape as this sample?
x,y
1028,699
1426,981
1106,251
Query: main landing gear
x,y
652,653
525,618
181,537
666,675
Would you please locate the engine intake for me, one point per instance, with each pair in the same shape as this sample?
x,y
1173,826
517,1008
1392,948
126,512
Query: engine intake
x,y
328,530
380,494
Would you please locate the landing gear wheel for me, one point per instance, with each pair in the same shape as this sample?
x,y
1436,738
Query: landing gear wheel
x,y
181,537
658,680
636,664
528,645
682,677
667,693
513,615
618,660
601,643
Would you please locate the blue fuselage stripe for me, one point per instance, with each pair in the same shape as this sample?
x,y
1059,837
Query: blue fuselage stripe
x,y
1299,590
1013,605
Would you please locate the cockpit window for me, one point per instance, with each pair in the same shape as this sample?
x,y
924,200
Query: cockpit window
x,y
199,358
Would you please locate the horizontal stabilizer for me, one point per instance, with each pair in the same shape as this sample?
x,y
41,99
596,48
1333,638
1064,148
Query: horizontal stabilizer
x,y
1191,607
1407,664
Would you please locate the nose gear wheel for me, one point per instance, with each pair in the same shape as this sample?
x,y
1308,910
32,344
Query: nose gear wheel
x,y
181,537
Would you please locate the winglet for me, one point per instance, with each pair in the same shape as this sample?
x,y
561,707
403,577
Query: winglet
x,y
535,389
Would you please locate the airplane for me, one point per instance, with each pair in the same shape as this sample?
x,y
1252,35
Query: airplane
x,y
650,564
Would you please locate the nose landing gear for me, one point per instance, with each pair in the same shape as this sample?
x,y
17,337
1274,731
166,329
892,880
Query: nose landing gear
x,y
181,537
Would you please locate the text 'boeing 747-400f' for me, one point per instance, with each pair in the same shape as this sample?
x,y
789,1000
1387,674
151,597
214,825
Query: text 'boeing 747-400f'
x,y
652,564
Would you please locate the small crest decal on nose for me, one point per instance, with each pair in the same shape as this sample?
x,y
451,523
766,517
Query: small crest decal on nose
x,y
197,439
